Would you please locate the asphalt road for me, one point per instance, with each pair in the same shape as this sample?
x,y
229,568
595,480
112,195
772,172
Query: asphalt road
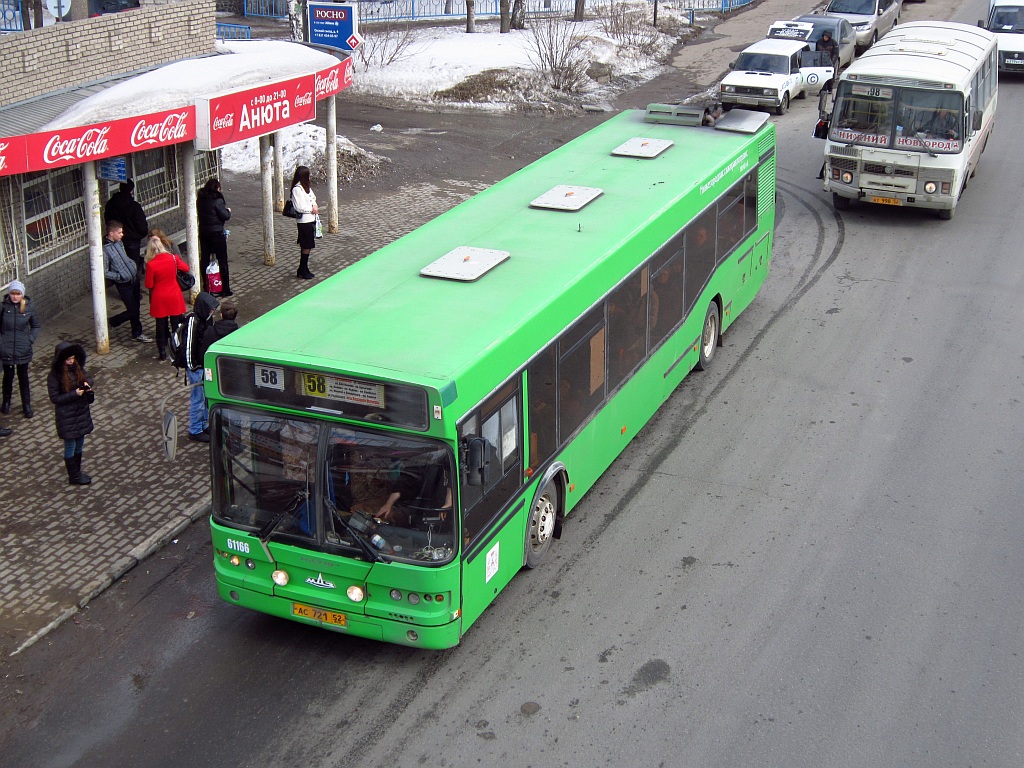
x,y
809,558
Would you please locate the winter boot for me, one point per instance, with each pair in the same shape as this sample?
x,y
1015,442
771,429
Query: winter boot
x,y
8,387
303,272
26,404
75,474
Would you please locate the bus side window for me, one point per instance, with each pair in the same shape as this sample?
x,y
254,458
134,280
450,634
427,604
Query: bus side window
x,y
627,327
700,254
543,407
581,371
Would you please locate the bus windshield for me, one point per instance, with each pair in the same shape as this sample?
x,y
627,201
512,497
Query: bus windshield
x,y
1007,18
916,119
332,487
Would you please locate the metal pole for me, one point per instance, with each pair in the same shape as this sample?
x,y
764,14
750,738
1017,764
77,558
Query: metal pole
x,y
266,176
93,228
187,157
332,165
278,173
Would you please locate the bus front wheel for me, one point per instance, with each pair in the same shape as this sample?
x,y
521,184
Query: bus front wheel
x,y
709,337
840,203
540,528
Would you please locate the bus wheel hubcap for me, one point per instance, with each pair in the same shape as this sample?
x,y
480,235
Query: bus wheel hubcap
x,y
542,523
709,337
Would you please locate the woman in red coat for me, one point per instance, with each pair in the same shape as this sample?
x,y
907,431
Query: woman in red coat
x,y
166,304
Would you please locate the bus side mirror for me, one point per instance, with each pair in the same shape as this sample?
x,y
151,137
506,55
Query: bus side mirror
x,y
976,119
824,113
476,466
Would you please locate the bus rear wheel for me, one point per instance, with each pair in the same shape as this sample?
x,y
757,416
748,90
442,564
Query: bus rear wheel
x,y
540,528
709,337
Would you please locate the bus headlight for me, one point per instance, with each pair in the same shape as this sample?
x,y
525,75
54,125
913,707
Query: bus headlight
x,y
930,187
280,578
846,178
355,593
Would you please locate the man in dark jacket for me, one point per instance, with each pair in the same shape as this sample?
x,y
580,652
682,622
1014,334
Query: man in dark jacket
x,y
119,269
212,213
831,47
196,324
123,207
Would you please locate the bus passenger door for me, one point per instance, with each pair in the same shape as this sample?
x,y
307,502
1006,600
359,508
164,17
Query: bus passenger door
x,y
490,477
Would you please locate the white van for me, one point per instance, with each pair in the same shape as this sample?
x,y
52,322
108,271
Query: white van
x,y
1006,20
771,73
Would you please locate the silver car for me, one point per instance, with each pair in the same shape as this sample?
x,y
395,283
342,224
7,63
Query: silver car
x,y
870,18
841,31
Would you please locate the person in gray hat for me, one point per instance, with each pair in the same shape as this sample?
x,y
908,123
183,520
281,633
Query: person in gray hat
x,y
19,328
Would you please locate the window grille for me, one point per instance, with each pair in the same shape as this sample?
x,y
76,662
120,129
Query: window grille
x,y
53,215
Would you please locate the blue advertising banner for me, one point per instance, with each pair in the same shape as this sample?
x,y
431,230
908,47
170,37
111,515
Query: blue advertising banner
x,y
334,25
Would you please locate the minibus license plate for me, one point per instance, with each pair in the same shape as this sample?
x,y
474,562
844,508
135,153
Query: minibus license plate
x,y
887,200
318,614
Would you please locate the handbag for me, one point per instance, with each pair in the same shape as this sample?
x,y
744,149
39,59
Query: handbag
x,y
185,279
289,210
213,282
318,230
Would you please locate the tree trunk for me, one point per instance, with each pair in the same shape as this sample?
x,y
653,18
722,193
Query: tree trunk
x,y
79,9
578,14
37,8
470,16
519,14
506,21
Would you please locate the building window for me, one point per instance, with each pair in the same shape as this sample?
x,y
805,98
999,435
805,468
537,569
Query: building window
x,y
54,215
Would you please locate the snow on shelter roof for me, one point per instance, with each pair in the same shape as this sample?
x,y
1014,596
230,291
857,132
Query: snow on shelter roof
x,y
237,64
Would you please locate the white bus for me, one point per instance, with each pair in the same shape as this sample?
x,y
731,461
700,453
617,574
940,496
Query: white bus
x,y
912,117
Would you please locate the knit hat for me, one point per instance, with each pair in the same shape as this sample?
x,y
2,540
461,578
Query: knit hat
x,y
16,285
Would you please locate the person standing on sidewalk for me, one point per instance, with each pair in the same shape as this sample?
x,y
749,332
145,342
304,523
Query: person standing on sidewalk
x,y
119,269
166,304
70,389
19,328
123,207
196,325
213,212
304,201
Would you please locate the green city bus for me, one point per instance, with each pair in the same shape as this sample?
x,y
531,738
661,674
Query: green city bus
x,y
392,446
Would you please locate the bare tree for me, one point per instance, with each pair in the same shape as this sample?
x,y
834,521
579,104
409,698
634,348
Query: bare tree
x,y
518,14
555,48
31,11
470,16
578,13
506,21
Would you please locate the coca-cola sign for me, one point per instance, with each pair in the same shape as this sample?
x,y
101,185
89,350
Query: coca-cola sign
x,y
71,146
334,79
13,155
254,112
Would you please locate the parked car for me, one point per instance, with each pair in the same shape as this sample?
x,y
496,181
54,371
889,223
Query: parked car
x,y
870,18
841,31
772,72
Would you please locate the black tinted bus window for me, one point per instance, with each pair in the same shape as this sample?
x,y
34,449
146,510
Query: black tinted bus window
x,y
581,371
667,282
542,395
750,203
730,225
700,254
627,327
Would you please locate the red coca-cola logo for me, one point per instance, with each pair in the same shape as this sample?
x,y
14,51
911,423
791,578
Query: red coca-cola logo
x,y
172,128
304,99
327,85
226,121
92,143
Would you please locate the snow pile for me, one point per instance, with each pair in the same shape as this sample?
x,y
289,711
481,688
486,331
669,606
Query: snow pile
x,y
300,145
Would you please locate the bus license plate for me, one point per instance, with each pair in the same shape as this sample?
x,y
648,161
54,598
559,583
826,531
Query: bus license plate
x,y
318,614
886,200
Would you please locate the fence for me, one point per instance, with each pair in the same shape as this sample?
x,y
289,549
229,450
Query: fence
x,y
10,16
233,31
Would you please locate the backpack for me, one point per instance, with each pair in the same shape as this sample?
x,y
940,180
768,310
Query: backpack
x,y
178,343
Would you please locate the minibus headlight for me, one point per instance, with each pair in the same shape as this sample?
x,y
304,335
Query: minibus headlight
x,y
930,187
846,178
280,578
355,593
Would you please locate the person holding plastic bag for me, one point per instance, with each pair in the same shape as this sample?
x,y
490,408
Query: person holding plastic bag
x,y
304,201
213,212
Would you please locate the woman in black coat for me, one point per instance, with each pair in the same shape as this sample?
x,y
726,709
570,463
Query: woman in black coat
x,y
212,213
19,327
70,388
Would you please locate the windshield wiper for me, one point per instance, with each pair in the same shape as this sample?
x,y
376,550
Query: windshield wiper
x,y
369,551
263,534
920,137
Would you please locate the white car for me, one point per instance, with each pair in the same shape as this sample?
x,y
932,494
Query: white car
x,y
870,18
771,73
